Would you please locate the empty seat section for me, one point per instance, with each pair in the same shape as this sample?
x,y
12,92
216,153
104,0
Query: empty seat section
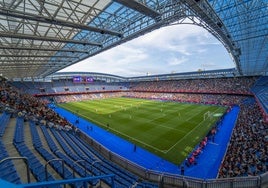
x,y
53,147
4,119
125,178
7,168
35,136
35,165
57,166
76,150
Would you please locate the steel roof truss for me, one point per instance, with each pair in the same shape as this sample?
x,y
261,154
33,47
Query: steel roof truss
x,y
139,7
51,39
39,18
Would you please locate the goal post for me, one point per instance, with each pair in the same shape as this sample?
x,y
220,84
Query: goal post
x,y
207,115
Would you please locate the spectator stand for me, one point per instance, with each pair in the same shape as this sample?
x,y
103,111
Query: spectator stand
x,y
260,90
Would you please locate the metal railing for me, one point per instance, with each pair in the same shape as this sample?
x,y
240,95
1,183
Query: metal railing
x,y
84,166
25,159
56,159
160,178
84,179
173,180
4,183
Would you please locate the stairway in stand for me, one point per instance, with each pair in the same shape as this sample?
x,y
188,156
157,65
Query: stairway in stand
x,y
28,142
12,151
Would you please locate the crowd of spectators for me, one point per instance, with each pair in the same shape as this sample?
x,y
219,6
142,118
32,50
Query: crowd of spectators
x,y
89,96
217,99
247,154
239,85
29,107
248,148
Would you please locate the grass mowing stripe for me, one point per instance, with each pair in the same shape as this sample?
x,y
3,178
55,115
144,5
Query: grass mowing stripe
x,y
204,121
167,127
127,136
154,125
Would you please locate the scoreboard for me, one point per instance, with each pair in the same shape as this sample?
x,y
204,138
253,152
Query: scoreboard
x,y
83,79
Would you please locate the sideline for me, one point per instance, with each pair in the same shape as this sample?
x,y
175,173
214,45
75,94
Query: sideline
x,y
208,162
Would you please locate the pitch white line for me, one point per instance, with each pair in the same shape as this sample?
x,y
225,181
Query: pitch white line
x,y
187,134
171,128
184,137
131,138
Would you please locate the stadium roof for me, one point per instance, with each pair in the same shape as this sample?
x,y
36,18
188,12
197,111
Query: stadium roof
x,y
40,37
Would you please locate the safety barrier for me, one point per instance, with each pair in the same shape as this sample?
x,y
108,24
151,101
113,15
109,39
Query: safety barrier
x,y
173,180
4,183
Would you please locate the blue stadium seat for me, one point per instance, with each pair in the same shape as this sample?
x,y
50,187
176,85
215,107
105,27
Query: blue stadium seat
x,y
48,156
12,177
4,119
35,165
106,168
6,165
75,150
7,168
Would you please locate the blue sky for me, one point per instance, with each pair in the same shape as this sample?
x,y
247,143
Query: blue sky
x,y
172,49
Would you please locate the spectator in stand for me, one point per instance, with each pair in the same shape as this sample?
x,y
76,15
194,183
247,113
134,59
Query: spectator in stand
x,y
29,107
217,99
247,154
239,85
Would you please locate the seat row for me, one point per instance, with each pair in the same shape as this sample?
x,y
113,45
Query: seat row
x,y
123,176
77,150
4,119
98,165
70,158
7,168
65,173
36,167
62,170
79,157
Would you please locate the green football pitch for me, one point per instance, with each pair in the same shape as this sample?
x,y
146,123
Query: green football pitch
x,y
168,129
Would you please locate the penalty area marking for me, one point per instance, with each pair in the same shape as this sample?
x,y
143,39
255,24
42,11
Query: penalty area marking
x,y
188,133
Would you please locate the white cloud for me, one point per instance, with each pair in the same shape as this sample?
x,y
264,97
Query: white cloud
x,y
122,55
111,60
180,47
172,38
177,61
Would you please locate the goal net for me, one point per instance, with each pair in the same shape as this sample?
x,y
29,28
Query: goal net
x,y
208,115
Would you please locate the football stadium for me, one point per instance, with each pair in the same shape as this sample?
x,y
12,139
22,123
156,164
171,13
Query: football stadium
x,y
188,129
